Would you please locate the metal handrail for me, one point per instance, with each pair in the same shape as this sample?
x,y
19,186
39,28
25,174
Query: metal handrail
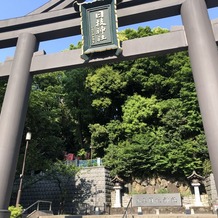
x,y
126,211
38,203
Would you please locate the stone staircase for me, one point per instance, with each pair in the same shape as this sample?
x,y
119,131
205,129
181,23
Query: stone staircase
x,y
148,212
31,212
39,213
136,216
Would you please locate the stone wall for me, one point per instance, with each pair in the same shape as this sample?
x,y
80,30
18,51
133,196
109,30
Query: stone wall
x,y
100,186
210,187
92,188
89,189
161,185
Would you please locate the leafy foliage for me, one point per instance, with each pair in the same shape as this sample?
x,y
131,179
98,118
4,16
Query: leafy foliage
x,y
44,120
63,175
15,211
160,130
141,116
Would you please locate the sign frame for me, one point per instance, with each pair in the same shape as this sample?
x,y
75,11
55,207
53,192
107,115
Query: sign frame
x,y
99,28
157,200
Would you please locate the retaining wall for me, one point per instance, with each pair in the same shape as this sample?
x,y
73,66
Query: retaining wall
x,y
90,188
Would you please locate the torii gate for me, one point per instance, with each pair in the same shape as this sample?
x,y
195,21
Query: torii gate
x,y
58,19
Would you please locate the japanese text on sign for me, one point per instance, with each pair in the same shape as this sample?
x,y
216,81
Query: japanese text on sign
x,y
170,199
99,27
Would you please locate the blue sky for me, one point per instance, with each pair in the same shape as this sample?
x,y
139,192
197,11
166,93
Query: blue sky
x,y
17,8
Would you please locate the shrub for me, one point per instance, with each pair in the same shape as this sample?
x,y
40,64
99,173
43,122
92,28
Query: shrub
x,y
163,191
15,211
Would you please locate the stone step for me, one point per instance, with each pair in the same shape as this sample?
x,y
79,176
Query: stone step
x,y
38,213
136,216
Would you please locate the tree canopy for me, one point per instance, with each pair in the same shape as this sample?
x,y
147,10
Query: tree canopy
x,y
141,116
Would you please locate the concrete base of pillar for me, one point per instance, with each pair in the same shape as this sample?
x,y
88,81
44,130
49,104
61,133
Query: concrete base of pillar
x,y
117,206
198,204
5,213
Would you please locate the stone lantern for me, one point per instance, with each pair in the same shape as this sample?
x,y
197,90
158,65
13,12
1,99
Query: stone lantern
x,y
196,182
117,187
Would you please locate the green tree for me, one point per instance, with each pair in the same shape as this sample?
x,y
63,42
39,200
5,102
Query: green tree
x,y
63,175
106,85
45,121
159,103
3,85
78,100
148,105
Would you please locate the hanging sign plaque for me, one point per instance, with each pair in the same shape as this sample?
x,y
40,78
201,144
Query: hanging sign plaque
x,y
99,27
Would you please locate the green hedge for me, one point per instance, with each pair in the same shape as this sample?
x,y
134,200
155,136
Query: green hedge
x,y
15,211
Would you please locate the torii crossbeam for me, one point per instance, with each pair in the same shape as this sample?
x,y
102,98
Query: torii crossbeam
x,y
58,19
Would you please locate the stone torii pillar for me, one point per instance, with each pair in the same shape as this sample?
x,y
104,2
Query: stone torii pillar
x,y
204,61
13,116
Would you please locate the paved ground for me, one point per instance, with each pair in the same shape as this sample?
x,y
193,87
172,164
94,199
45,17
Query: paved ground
x,y
138,216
